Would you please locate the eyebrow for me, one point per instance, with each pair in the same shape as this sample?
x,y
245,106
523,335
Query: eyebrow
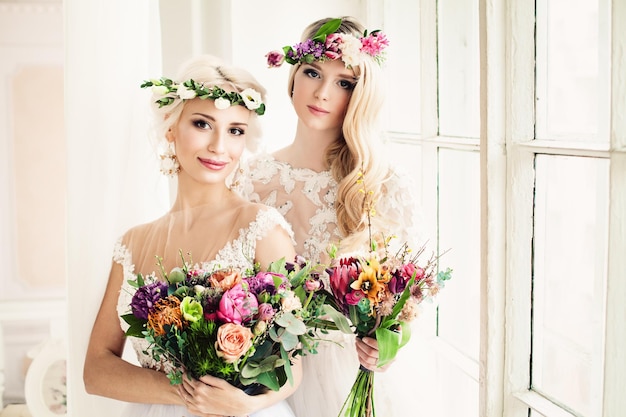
x,y
343,75
208,116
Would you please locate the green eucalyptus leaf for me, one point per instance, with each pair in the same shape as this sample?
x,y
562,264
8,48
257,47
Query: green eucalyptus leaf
x,y
269,379
287,364
339,319
293,324
250,371
289,341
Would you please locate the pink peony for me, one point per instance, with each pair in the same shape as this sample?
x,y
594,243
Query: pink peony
x,y
237,305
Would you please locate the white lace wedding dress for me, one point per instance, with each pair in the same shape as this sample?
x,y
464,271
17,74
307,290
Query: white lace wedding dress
x,y
136,252
306,199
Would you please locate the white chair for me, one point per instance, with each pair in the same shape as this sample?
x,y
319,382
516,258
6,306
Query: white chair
x,y
45,387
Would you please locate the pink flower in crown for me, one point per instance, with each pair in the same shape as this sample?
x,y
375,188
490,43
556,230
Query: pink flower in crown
x,y
237,305
333,46
274,59
374,44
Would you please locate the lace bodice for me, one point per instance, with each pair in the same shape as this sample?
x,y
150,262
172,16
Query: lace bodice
x,y
238,253
306,199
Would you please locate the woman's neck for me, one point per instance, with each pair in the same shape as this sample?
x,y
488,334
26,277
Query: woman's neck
x,y
191,195
308,149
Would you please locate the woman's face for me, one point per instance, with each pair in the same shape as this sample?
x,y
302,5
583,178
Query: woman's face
x,y
209,141
321,93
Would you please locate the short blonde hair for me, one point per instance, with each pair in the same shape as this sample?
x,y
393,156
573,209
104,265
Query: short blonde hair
x,y
211,71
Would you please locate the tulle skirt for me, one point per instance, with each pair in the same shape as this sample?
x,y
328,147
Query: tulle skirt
x,y
161,410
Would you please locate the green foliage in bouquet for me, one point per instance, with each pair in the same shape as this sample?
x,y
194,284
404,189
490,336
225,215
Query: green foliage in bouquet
x,y
242,326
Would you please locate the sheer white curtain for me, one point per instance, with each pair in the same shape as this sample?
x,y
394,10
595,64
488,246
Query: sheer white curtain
x,y
113,178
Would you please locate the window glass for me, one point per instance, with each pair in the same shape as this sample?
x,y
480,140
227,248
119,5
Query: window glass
x,y
402,66
569,63
570,235
459,231
459,64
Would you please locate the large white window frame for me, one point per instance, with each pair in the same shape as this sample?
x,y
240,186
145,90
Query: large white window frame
x,y
508,148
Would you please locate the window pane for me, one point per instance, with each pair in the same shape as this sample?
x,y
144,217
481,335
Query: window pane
x,y
459,77
459,231
402,67
570,235
570,90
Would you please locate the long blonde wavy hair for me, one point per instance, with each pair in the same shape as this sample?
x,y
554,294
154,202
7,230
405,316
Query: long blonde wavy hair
x,y
352,157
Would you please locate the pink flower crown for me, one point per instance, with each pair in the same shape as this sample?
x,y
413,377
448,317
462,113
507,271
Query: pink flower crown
x,y
327,45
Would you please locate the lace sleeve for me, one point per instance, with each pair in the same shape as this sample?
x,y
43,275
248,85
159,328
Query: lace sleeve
x,y
249,171
266,220
123,257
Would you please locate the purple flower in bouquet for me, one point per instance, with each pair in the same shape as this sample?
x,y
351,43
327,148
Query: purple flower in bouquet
x,y
300,261
237,305
264,282
146,297
266,312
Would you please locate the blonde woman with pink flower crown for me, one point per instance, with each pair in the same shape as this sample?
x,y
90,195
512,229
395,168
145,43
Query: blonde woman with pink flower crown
x,y
335,85
205,118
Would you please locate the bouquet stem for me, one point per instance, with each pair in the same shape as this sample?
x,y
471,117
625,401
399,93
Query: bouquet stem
x,y
360,401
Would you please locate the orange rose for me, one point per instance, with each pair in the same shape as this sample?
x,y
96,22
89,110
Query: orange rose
x,y
233,341
225,279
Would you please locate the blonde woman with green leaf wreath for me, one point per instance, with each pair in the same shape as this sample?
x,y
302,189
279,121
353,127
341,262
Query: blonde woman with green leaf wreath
x,y
336,88
205,117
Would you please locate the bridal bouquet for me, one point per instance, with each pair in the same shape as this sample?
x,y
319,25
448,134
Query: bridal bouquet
x,y
376,294
242,326
379,295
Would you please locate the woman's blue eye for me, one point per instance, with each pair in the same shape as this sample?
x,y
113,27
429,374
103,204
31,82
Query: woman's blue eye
x,y
311,73
345,84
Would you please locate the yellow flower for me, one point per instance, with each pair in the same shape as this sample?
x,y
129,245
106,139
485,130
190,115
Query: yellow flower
x,y
368,281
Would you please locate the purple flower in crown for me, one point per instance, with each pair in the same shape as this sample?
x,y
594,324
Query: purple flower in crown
x,y
327,44
146,297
